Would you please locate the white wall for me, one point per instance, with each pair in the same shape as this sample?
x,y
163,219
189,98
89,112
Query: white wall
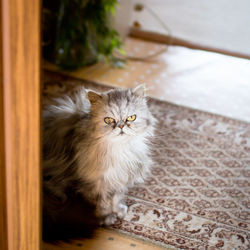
x,y
220,23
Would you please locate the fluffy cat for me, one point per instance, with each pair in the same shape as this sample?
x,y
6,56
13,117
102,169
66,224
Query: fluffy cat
x,y
96,145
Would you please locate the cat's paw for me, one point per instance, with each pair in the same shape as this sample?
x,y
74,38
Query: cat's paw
x,y
110,219
122,211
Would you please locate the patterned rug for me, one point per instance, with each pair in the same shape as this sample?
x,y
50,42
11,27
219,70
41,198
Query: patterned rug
x,y
198,194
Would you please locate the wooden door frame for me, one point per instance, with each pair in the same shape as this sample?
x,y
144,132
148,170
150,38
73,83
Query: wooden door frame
x,y
3,208
20,185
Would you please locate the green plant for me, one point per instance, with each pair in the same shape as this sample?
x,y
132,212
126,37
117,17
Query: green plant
x,y
77,33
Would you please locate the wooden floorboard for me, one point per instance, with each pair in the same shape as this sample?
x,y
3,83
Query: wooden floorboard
x,y
105,239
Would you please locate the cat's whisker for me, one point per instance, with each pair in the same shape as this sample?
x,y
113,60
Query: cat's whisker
x,y
161,135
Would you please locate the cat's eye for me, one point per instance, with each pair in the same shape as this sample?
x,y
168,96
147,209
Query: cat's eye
x,y
109,120
131,118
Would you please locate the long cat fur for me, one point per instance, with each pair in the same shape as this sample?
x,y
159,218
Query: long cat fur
x,y
82,155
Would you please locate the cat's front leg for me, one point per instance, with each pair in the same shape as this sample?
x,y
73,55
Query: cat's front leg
x,y
118,206
104,210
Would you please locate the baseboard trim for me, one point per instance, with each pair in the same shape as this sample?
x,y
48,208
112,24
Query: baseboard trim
x,y
175,41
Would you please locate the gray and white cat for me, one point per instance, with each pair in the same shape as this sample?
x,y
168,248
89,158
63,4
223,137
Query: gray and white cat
x,y
97,144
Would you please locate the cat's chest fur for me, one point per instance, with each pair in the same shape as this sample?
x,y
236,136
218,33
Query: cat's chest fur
x,y
116,163
125,162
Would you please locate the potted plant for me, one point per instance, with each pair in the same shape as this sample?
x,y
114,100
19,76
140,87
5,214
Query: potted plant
x,y
77,33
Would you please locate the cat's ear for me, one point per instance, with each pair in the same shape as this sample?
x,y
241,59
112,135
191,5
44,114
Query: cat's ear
x,y
140,90
93,97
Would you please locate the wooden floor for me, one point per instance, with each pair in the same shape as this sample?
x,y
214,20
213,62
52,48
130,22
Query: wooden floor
x,y
198,79
105,239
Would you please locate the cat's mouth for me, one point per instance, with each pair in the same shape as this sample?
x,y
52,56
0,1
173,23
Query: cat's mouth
x,y
121,133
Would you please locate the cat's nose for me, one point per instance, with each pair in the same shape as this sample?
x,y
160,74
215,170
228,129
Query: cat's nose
x,y
121,126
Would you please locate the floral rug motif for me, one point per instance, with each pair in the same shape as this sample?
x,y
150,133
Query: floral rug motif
x,y
198,193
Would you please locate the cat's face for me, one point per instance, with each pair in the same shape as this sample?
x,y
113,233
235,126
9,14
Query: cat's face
x,y
121,114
